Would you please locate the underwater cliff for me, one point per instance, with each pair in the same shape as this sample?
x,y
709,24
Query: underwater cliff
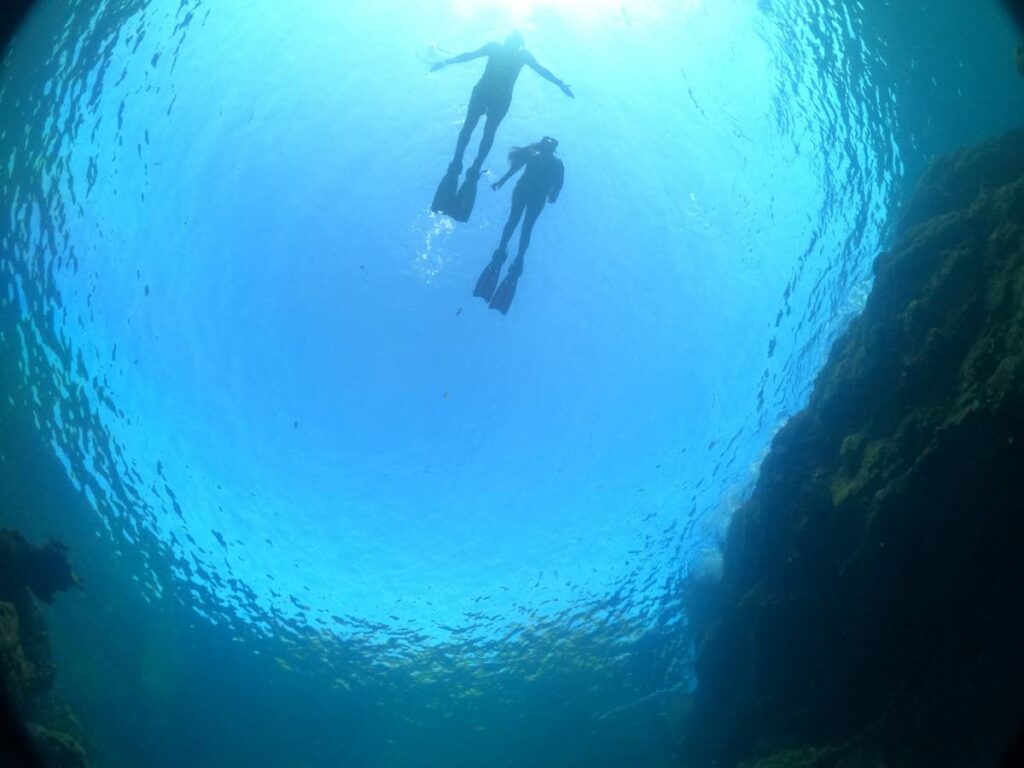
x,y
332,510
30,575
11,14
869,611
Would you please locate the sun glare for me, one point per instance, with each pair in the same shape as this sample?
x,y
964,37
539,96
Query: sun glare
x,y
579,11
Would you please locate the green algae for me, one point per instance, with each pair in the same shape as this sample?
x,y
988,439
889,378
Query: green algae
x,y
872,580
805,757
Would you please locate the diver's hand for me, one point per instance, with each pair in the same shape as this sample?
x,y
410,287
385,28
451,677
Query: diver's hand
x,y
552,199
439,65
497,185
567,90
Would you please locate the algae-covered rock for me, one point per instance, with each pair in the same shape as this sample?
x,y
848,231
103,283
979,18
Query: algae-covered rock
x,y
15,671
873,580
805,757
12,12
44,571
951,184
29,573
57,749
819,757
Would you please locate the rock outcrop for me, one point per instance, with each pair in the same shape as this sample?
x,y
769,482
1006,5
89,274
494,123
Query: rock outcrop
x,y
12,12
869,612
29,574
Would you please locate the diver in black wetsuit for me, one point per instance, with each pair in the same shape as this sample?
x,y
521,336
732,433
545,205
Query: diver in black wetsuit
x,y
492,97
541,183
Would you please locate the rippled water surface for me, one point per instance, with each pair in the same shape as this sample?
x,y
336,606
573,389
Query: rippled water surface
x,y
256,354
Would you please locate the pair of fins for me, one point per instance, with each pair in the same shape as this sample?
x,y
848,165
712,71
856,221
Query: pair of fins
x,y
457,202
453,200
499,297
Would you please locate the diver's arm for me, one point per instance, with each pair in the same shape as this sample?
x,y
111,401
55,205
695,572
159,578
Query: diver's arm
x,y
512,171
463,57
556,184
548,75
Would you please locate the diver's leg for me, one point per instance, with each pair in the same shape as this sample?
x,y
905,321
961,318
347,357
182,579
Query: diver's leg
x,y
518,206
473,114
464,135
486,142
503,295
495,114
533,210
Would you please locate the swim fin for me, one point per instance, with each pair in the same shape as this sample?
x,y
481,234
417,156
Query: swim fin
x,y
465,198
502,298
444,198
489,277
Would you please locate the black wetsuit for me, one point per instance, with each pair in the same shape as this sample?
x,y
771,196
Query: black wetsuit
x,y
543,176
542,179
492,95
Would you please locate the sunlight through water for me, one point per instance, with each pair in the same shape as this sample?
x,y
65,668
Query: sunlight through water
x,y
257,353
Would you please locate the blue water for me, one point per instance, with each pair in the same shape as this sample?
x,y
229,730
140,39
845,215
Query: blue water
x,y
255,352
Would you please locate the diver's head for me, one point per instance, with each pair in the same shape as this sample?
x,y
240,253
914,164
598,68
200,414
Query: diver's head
x,y
515,40
548,145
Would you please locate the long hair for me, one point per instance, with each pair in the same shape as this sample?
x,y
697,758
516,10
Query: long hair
x,y
519,155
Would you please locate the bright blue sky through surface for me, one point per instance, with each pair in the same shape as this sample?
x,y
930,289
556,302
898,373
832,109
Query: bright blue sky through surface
x,y
296,340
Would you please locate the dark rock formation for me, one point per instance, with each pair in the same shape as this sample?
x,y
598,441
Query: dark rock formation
x,y
17,673
58,749
870,609
44,571
29,573
11,14
1016,10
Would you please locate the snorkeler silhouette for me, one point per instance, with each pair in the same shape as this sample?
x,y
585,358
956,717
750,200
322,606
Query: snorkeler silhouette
x,y
541,183
492,97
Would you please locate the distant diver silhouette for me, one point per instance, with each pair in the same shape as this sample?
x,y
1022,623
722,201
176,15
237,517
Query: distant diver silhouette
x,y
541,183
492,97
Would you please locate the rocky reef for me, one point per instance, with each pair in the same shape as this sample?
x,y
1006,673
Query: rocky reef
x,y
1015,9
12,12
870,608
28,575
